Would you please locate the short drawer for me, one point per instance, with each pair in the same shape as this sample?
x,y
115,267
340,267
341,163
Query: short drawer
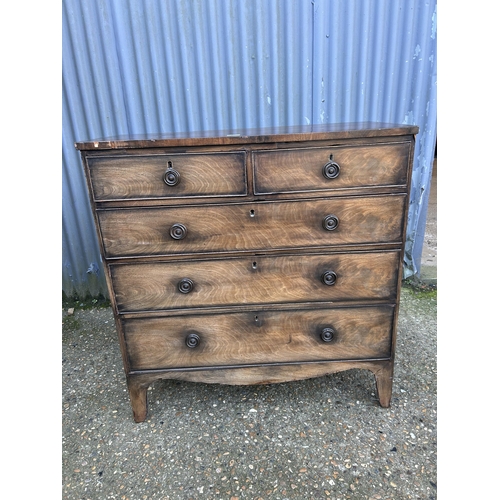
x,y
259,337
256,280
331,168
252,226
167,176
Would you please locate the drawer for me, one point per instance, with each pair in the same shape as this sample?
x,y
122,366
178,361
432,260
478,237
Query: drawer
x,y
167,176
252,226
259,337
331,168
256,280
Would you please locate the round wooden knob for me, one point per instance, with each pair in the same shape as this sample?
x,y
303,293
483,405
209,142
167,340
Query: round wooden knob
x,y
331,170
193,340
329,278
178,231
171,177
330,222
185,285
327,334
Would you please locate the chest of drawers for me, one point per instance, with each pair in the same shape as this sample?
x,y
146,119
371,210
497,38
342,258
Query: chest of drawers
x,y
253,257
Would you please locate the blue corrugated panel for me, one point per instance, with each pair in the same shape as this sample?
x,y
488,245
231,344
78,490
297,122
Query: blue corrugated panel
x,y
146,66
376,61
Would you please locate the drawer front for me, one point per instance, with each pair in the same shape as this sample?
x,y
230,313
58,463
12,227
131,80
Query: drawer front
x,y
252,226
330,168
259,337
256,280
168,176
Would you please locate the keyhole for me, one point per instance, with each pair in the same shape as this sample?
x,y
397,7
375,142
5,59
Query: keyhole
x,y
252,213
254,265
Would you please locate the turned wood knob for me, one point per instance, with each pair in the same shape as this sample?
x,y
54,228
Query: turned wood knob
x,y
178,231
327,334
330,222
329,278
331,170
193,340
171,176
185,285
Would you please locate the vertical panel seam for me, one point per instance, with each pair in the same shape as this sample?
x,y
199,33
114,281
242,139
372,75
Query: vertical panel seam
x,y
313,53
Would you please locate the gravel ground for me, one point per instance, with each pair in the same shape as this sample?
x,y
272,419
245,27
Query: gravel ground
x,y
322,438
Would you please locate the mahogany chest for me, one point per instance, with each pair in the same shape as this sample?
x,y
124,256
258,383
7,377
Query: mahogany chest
x,y
253,256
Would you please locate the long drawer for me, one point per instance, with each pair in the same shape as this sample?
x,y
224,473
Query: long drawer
x,y
255,280
168,176
331,168
252,226
259,337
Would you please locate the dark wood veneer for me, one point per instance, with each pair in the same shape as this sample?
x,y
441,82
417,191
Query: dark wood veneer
x,y
255,226
259,337
255,280
253,256
138,177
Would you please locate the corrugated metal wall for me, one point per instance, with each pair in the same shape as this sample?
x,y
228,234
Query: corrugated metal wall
x,y
145,66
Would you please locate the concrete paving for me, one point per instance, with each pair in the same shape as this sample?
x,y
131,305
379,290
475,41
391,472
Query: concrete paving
x,y
324,438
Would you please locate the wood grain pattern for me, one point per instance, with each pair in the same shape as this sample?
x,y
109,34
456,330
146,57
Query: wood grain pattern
x,y
262,374
252,252
297,170
252,226
138,383
255,280
296,133
141,177
259,337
